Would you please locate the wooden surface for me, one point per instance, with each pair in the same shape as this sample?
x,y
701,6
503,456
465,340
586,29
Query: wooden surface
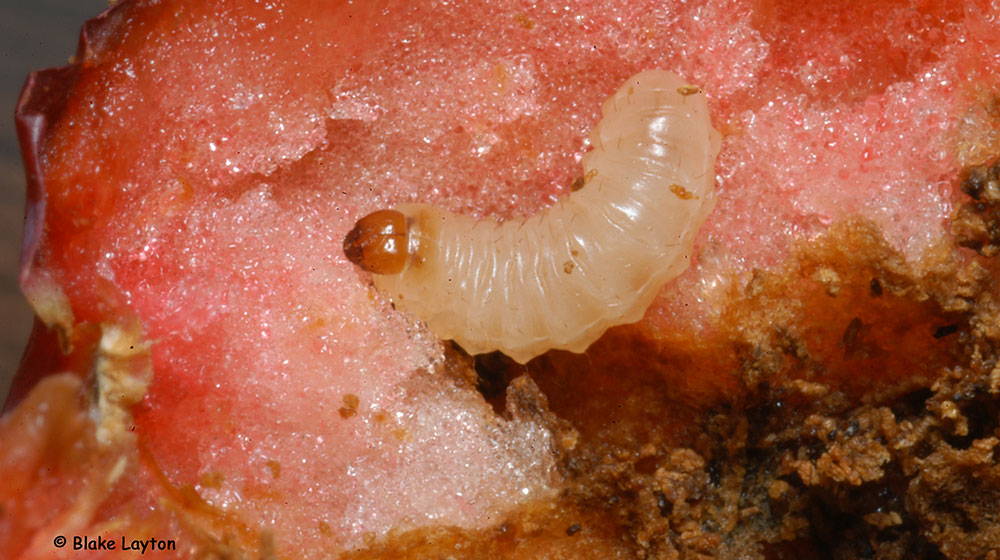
x,y
35,34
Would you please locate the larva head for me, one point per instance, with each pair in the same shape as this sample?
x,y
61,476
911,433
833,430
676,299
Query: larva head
x,y
378,242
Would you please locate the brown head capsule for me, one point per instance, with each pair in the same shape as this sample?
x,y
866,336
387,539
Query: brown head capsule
x,y
378,243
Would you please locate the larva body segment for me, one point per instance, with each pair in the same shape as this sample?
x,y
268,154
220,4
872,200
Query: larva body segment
x,y
595,259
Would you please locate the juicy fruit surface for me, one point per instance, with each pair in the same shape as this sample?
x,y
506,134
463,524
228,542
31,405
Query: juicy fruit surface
x,y
209,159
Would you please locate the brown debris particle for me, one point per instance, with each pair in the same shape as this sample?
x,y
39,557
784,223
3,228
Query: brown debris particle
x,y
976,223
778,489
689,89
581,182
212,479
568,267
350,407
982,182
524,21
829,279
809,389
681,192
882,520
274,467
941,332
875,287
856,341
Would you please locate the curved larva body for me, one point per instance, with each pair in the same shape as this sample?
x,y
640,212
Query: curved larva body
x,y
595,259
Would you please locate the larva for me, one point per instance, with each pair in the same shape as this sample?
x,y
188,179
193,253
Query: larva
x,y
595,259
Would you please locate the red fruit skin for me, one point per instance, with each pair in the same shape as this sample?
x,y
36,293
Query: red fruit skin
x,y
156,133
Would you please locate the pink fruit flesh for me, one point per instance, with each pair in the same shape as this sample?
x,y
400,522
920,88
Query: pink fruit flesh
x,y
208,158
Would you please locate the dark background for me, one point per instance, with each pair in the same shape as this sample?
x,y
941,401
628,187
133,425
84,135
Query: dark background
x,y
33,34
